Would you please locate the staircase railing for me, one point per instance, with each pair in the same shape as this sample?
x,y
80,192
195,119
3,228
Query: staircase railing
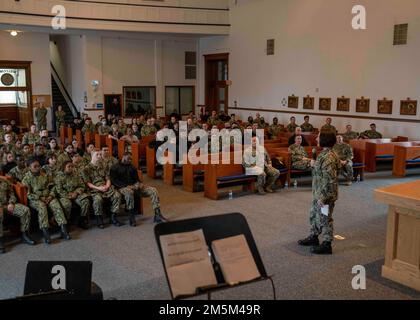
x,y
63,90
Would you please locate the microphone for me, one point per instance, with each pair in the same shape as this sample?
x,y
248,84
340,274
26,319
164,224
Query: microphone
x,y
314,153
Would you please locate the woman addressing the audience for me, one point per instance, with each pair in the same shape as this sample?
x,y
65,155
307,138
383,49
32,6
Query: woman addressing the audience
x,y
324,193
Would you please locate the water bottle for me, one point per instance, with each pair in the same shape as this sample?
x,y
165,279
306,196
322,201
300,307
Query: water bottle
x,y
286,185
230,195
295,184
358,178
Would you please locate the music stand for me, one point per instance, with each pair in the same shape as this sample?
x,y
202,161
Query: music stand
x,y
214,228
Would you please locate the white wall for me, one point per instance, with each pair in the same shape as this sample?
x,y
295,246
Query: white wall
x,y
318,53
32,47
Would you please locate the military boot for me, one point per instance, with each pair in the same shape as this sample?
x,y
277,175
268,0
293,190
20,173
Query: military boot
x,y
159,218
64,234
115,221
2,249
312,240
100,222
269,189
83,223
132,218
27,239
261,190
46,234
324,248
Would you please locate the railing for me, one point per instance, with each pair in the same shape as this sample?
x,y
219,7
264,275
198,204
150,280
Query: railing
x,y
63,90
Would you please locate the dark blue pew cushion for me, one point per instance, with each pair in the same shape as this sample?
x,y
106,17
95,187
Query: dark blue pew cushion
x,y
417,161
357,164
237,177
385,157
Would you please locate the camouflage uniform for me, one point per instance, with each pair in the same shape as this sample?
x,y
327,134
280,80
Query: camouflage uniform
x,y
68,183
60,120
88,127
104,129
51,173
18,174
147,130
274,130
98,176
30,138
345,153
291,127
213,121
56,152
146,191
266,178
297,154
108,162
9,147
87,158
7,196
329,128
324,188
61,159
370,134
307,127
350,136
41,118
122,129
37,188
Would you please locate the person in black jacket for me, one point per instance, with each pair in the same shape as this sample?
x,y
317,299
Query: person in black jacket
x,y
125,178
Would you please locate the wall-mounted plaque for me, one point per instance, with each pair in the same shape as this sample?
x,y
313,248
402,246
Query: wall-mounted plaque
x,y
343,104
408,107
325,104
308,103
385,106
363,105
293,102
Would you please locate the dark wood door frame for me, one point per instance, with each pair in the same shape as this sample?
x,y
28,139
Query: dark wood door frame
x,y
28,88
210,97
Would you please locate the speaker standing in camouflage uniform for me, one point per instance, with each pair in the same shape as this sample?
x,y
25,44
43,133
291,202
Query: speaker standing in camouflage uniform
x,y
41,198
9,206
324,196
96,176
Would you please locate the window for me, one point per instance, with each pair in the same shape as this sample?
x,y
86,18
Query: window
x,y
179,100
190,65
139,100
14,90
400,34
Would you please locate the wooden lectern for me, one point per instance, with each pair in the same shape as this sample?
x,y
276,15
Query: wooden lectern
x,y
402,256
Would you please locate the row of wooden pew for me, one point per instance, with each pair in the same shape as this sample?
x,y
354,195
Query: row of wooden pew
x,y
220,175
403,153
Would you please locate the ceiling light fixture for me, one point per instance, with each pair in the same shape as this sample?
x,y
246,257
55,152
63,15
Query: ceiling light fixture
x,y
13,33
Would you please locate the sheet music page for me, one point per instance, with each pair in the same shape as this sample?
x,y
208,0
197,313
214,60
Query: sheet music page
x,y
187,262
235,259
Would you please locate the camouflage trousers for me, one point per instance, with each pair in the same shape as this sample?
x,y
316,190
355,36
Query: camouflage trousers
x,y
42,125
347,171
321,224
82,201
98,200
20,211
145,191
268,178
42,210
301,165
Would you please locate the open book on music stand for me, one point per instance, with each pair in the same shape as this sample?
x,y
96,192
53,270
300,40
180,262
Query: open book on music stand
x,y
183,241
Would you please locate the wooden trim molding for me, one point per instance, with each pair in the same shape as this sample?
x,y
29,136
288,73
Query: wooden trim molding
x,y
339,115
159,107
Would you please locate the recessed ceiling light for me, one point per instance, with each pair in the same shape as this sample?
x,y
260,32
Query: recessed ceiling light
x,y
13,33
